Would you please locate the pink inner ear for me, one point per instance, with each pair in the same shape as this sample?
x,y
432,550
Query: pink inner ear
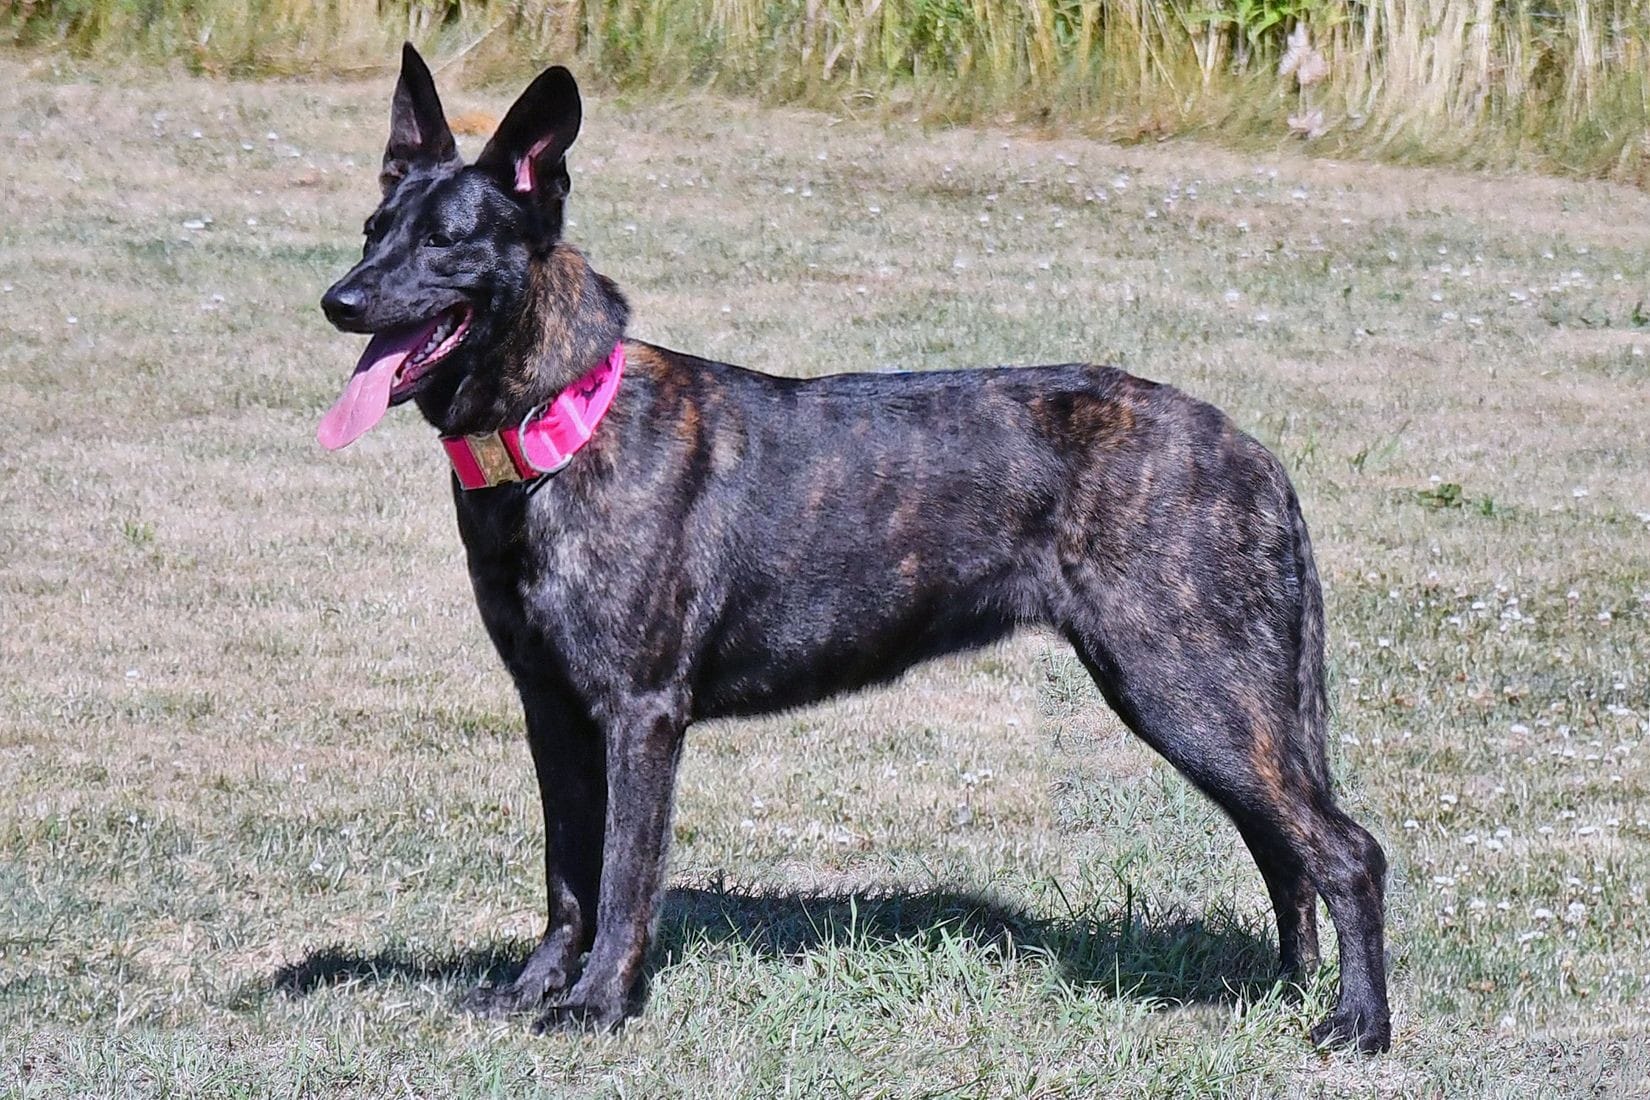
x,y
524,166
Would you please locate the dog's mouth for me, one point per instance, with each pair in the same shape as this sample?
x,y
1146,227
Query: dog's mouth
x,y
447,333
389,371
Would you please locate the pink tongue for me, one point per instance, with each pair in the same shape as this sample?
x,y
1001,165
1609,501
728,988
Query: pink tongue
x,y
367,394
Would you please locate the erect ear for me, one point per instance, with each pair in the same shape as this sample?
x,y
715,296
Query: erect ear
x,y
418,130
528,153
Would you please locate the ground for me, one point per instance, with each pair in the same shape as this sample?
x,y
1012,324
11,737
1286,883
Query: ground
x,y
268,811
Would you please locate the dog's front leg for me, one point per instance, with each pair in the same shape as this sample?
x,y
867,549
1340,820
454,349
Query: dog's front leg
x,y
568,756
644,743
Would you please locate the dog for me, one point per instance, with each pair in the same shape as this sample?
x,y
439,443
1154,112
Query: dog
x,y
656,539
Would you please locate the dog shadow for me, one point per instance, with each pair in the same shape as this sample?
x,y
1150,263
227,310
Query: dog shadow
x,y
1128,952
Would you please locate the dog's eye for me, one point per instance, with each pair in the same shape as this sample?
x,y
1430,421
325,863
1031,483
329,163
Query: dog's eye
x,y
438,240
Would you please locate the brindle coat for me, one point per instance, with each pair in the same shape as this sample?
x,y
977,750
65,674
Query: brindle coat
x,y
733,543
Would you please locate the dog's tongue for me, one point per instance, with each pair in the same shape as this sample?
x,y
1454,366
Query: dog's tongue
x,y
367,394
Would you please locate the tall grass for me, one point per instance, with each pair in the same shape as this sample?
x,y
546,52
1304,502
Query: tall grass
x,y
1563,84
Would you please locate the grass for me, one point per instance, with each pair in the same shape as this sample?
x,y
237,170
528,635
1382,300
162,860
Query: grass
x,y
1559,84
268,811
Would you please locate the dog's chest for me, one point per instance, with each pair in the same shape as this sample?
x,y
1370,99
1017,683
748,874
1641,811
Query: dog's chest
x,y
518,571
550,581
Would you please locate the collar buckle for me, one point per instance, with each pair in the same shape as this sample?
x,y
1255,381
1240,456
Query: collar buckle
x,y
547,437
482,461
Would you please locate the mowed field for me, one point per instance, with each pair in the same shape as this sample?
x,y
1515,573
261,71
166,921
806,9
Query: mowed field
x,y
266,811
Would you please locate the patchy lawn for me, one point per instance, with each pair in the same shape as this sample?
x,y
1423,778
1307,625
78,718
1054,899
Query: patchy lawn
x,y
267,808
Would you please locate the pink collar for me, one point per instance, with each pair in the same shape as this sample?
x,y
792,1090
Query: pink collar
x,y
547,437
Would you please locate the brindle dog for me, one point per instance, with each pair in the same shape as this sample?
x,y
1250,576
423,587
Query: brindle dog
x,y
732,543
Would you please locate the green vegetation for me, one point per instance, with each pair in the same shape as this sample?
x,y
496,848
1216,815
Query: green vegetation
x,y
1559,84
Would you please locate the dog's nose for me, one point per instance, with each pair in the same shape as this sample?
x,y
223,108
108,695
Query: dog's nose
x,y
343,304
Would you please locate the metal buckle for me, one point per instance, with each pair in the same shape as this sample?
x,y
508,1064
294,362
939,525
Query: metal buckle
x,y
494,458
521,435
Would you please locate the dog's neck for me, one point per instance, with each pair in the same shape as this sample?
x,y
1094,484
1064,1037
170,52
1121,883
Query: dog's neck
x,y
567,321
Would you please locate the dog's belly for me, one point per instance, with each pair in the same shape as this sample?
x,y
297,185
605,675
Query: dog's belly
x,y
772,658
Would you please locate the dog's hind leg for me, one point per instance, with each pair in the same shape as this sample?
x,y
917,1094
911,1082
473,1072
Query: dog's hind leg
x,y
1239,750
643,747
569,760
1208,642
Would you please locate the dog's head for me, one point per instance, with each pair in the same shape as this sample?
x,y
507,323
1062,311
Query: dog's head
x,y
447,268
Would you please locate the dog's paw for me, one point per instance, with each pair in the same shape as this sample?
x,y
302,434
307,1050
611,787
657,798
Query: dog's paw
x,y
1350,1029
580,1018
497,1001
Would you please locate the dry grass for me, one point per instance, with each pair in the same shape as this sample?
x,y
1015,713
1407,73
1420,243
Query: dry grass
x,y
267,807
1560,84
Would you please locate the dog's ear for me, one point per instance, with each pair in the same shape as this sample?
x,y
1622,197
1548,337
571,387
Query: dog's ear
x,y
528,153
418,129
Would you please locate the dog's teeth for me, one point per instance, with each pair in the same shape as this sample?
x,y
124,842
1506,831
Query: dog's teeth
x,y
443,330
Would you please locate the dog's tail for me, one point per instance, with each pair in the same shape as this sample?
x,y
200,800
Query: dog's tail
x,y
1311,693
